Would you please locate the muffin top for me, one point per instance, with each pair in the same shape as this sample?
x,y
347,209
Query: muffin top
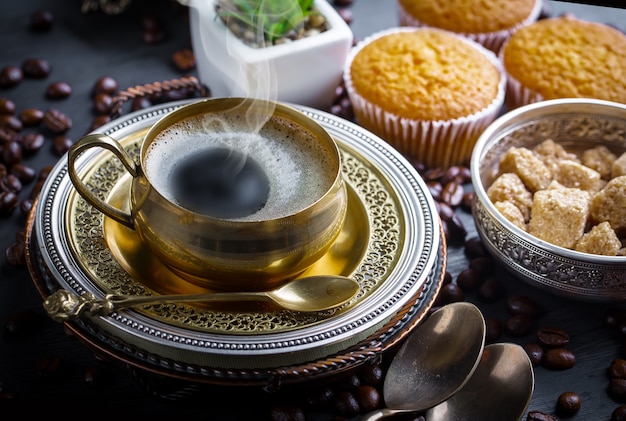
x,y
568,58
425,74
470,16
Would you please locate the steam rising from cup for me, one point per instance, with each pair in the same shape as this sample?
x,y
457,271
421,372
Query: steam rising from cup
x,y
255,78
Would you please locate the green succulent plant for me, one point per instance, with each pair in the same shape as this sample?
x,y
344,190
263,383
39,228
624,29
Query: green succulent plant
x,y
274,17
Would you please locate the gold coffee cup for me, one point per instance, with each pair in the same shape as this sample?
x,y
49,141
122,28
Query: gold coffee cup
x,y
223,203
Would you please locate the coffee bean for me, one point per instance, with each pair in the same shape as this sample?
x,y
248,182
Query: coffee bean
x,y
346,404
7,106
56,121
12,153
31,117
102,103
10,122
534,352
519,325
539,416
140,103
61,144
567,404
559,359
8,135
368,398
32,142
10,76
105,85
452,174
434,174
58,90
99,121
320,398
26,206
36,68
468,279
617,389
372,374
184,60
467,200
444,210
552,336
49,366
10,183
491,290
456,228
41,21
45,171
619,413
452,193
617,368
474,247
8,202
15,253
435,188
451,293
483,265
493,329
521,304
24,173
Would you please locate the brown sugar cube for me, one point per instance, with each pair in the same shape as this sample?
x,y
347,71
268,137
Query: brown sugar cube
x,y
609,204
523,162
619,166
599,158
559,216
575,175
511,212
601,239
508,187
551,153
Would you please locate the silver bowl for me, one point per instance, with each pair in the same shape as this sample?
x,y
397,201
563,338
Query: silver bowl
x,y
574,123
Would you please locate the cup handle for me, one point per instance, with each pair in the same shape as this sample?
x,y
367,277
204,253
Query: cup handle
x,y
106,142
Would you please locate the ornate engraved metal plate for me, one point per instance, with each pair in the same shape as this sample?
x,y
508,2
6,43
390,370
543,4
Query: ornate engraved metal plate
x,y
393,251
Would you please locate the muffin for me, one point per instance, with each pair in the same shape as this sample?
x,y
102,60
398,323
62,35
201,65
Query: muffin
x,y
426,91
489,22
565,57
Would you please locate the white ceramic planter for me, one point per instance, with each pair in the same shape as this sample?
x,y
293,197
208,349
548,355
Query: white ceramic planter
x,y
305,71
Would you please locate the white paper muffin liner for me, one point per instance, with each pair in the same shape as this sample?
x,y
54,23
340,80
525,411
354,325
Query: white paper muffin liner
x,y
490,40
440,143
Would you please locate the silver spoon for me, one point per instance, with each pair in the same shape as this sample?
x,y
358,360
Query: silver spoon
x,y
312,293
500,388
436,360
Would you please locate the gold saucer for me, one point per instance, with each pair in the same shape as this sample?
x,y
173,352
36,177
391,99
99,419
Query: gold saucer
x,y
117,261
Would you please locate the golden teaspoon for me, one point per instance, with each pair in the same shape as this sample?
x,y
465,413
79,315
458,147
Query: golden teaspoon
x,y
312,293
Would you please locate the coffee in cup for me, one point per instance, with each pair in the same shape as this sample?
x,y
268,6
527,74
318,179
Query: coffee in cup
x,y
225,206
223,171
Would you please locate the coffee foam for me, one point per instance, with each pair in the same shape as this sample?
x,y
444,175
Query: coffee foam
x,y
292,158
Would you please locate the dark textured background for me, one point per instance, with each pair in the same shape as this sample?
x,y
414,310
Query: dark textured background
x,y
82,48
